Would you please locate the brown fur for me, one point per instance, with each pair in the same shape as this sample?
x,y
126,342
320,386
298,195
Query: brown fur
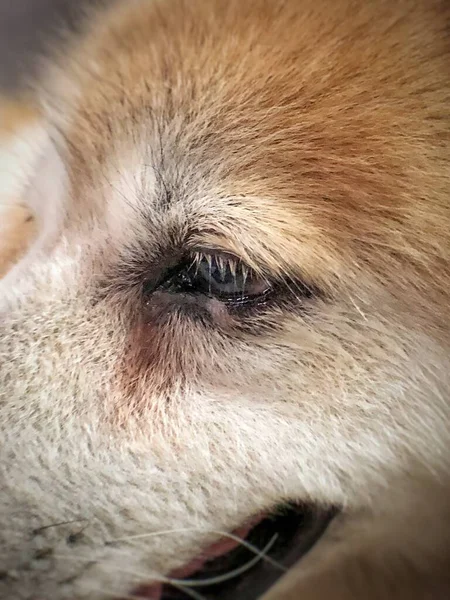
x,y
311,140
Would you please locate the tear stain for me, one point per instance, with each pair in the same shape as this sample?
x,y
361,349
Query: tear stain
x,y
168,346
152,368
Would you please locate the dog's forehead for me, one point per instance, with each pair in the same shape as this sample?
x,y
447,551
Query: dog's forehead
x,y
178,146
205,174
280,153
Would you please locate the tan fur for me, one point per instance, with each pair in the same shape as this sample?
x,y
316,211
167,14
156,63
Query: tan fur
x,y
310,139
16,223
16,230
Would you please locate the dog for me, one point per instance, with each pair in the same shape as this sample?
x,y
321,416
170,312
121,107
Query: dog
x,y
225,305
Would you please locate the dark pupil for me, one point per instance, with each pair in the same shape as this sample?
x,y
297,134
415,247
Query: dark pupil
x,y
221,277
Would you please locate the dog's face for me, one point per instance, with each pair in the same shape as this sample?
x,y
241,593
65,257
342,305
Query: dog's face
x,y
239,294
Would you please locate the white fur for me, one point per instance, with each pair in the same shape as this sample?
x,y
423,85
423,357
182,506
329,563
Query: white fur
x,y
349,408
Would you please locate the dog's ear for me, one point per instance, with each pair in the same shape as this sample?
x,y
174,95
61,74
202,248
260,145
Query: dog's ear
x,y
46,185
22,135
32,181
32,173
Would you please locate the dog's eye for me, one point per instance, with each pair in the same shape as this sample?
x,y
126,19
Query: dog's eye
x,y
226,277
220,276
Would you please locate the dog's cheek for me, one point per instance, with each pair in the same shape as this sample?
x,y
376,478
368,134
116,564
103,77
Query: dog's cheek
x,y
142,377
154,370
174,345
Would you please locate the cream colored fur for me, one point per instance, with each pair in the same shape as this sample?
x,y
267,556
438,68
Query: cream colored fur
x,y
309,138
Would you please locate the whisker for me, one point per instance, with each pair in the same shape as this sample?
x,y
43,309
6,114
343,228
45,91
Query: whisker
x,y
360,311
187,591
184,585
231,575
224,534
178,584
60,524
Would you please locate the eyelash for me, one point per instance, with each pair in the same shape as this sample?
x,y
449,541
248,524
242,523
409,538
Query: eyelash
x,y
182,279
221,276
223,261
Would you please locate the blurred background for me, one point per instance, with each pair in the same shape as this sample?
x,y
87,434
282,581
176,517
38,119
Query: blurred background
x,y
24,25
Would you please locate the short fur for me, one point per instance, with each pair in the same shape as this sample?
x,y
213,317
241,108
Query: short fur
x,y
311,139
